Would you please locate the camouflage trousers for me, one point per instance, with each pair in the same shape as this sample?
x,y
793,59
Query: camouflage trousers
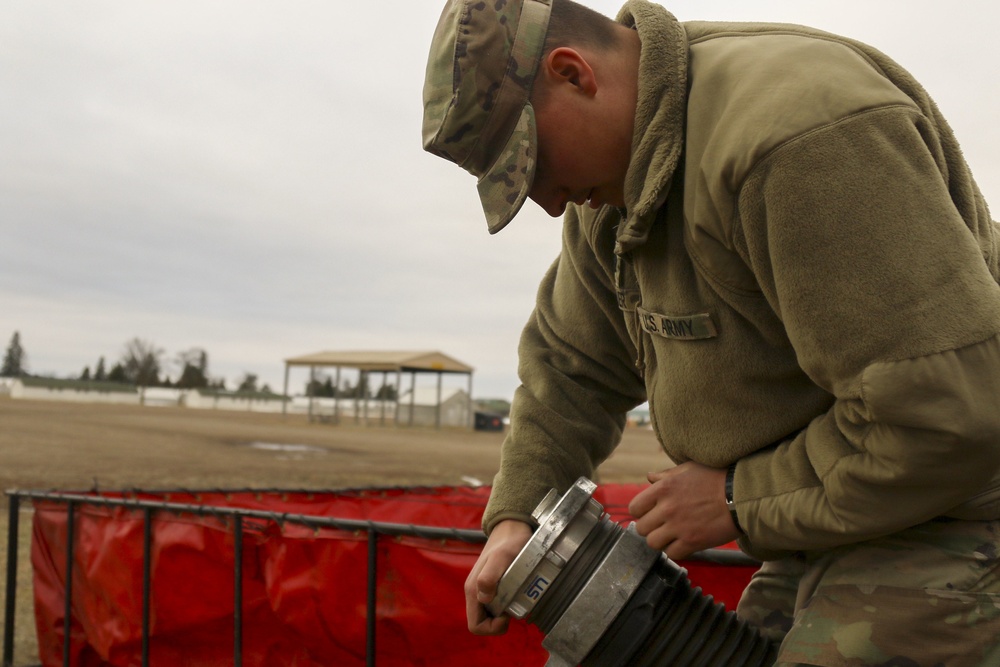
x,y
928,596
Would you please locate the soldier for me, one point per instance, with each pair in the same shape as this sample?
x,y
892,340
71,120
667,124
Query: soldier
x,y
770,235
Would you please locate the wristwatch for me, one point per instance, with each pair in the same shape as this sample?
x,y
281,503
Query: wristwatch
x,y
730,504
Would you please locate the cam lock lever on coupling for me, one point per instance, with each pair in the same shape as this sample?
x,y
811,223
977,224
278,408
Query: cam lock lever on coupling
x,y
604,598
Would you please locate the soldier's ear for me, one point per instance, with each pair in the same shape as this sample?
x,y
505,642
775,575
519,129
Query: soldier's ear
x,y
567,66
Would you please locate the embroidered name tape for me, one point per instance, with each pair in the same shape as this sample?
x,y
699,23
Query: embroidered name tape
x,y
686,327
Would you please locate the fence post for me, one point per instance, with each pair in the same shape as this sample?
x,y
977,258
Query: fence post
x,y
237,590
147,557
68,609
372,599
13,514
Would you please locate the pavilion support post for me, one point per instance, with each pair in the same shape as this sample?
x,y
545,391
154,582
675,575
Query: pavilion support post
x,y
336,398
437,417
312,390
365,388
471,416
413,393
385,395
284,394
357,390
399,385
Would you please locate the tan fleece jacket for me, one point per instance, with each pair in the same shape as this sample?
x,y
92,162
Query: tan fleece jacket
x,y
804,280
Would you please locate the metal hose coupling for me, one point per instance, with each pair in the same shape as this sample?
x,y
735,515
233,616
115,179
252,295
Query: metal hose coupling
x,y
604,598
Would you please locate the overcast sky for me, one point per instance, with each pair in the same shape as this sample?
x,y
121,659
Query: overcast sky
x,y
247,177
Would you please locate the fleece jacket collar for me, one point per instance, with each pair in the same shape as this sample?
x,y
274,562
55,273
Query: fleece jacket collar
x,y
658,139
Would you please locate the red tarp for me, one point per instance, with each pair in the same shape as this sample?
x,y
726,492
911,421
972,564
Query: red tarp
x,y
304,589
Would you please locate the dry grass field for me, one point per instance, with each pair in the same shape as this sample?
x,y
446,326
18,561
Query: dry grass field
x,y
68,446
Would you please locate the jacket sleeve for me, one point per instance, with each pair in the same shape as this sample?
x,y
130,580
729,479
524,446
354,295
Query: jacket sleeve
x,y
578,378
857,243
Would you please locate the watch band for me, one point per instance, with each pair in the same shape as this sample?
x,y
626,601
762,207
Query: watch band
x,y
730,503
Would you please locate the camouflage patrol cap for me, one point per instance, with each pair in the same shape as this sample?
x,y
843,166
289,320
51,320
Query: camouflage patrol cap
x,y
476,111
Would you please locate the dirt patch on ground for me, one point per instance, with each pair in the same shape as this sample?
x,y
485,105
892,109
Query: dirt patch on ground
x,y
48,444
75,446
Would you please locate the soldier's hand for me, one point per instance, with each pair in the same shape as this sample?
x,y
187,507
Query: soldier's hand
x,y
684,510
505,542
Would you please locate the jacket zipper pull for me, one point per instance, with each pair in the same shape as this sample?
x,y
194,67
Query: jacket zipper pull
x,y
625,299
640,356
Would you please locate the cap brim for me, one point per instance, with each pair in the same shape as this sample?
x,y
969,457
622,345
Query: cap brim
x,y
504,188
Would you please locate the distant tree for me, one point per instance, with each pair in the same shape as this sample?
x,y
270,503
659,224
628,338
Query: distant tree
x,y
85,375
192,378
196,357
141,361
362,390
248,383
386,392
346,390
321,387
100,375
194,368
117,374
266,389
15,360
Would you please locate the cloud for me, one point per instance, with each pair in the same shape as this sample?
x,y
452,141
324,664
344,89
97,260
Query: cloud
x,y
247,177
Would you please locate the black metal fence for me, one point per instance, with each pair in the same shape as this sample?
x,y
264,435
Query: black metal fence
x,y
236,516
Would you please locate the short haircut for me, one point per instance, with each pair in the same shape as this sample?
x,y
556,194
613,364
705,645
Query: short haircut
x,y
572,24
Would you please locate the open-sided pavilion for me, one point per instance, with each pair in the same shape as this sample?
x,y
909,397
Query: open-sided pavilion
x,y
386,362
